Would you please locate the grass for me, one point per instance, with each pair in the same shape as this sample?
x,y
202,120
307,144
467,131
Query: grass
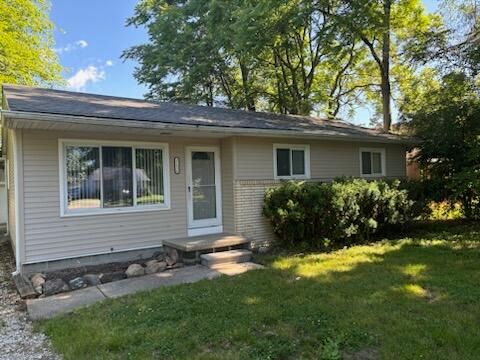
x,y
408,298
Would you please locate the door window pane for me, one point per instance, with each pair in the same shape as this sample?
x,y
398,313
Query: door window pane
x,y
149,176
366,163
204,202
83,177
203,183
117,176
376,163
283,162
298,162
203,168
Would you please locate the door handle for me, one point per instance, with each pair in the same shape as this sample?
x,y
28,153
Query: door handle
x,y
189,189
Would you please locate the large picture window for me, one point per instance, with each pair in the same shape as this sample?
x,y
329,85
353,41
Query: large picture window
x,y
291,161
113,177
372,162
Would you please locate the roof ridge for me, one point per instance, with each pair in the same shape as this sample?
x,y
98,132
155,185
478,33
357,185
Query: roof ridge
x,y
43,100
214,108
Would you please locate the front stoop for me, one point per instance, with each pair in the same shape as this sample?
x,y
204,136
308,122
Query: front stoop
x,y
190,249
226,257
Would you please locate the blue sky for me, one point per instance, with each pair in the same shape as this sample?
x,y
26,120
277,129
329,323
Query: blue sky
x,y
91,35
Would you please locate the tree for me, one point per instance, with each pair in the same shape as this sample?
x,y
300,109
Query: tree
x,y
389,29
448,122
26,54
296,57
267,55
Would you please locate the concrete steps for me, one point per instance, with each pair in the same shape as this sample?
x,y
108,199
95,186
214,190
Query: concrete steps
x,y
216,259
190,249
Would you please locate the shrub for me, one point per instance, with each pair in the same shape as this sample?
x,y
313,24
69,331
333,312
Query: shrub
x,y
465,188
344,212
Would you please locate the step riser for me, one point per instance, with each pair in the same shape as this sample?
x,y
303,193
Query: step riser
x,y
230,260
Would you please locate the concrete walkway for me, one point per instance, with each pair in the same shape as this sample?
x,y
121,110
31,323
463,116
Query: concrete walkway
x,y
45,308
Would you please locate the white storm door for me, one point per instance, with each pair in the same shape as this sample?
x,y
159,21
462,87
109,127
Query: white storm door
x,y
204,200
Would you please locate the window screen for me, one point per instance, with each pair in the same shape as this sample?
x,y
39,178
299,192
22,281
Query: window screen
x,y
283,162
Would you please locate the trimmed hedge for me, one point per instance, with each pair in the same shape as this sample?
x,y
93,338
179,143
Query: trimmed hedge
x,y
342,212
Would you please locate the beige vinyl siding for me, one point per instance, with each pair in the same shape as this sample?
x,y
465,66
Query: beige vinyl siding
x,y
254,173
396,161
328,159
226,155
11,188
48,236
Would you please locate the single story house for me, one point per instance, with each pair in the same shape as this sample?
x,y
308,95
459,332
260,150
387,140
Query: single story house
x,y
93,176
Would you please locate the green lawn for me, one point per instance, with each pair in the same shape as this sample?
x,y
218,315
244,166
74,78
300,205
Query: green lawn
x,y
409,298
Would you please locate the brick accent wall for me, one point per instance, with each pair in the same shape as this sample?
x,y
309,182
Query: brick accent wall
x,y
249,220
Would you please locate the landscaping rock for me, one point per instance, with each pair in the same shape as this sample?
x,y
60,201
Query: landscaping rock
x,y
150,262
135,270
91,279
77,283
55,286
171,257
24,286
112,276
38,280
154,266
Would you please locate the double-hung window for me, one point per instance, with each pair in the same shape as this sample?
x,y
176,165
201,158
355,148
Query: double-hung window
x,y
372,162
291,161
110,177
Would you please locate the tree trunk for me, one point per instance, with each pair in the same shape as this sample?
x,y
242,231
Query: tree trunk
x,y
385,71
249,101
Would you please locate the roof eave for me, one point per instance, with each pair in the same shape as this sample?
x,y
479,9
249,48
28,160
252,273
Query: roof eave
x,y
11,117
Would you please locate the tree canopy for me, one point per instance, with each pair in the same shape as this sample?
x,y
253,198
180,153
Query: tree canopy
x,y
26,54
300,57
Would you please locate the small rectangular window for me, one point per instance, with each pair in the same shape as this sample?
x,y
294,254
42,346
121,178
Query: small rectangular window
x,y
283,162
376,163
372,162
298,162
291,161
366,163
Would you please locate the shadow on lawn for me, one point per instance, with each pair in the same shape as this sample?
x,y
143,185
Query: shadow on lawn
x,y
398,299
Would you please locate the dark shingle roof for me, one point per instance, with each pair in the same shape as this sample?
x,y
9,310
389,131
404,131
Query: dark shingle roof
x,y
58,102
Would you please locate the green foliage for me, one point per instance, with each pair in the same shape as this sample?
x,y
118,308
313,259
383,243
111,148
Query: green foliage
x,y
445,210
26,54
465,187
448,122
297,57
343,212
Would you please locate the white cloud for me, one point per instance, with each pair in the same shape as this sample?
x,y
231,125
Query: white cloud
x,y
90,74
109,63
80,44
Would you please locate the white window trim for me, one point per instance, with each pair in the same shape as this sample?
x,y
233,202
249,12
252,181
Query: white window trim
x,y
383,160
305,148
65,212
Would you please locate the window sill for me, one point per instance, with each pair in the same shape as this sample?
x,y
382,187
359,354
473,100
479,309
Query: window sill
x,y
299,177
372,175
113,211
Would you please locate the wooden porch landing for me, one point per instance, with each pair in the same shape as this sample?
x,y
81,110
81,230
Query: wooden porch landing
x,y
206,242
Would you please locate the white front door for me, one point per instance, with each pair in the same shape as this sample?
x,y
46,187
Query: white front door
x,y
204,200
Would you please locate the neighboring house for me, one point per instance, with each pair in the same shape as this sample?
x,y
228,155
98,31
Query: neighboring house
x,y
198,170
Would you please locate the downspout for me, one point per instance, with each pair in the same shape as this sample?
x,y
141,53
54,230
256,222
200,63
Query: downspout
x,y
18,180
